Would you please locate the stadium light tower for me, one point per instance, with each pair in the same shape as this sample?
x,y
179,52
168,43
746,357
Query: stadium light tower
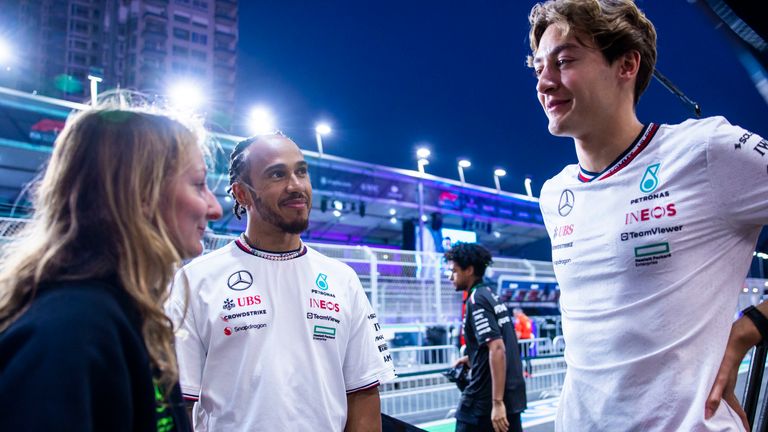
x,y
528,186
185,95
261,121
320,130
498,173
422,155
463,163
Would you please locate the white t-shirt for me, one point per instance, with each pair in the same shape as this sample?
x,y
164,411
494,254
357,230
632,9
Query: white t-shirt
x,y
650,256
274,345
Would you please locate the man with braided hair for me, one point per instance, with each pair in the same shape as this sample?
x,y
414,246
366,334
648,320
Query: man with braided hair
x,y
495,396
276,335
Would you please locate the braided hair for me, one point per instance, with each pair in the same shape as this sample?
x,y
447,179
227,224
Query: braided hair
x,y
470,254
238,167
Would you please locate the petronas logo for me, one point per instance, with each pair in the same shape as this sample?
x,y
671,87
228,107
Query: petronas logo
x,y
650,181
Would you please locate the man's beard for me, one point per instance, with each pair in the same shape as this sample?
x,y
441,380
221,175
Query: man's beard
x,y
273,218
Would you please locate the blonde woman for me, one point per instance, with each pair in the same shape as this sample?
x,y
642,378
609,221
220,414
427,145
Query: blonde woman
x,y
84,342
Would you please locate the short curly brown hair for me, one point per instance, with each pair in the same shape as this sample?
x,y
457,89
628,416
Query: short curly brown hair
x,y
614,26
470,254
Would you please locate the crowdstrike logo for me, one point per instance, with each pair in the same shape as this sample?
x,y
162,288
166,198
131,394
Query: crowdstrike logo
x,y
249,313
240,280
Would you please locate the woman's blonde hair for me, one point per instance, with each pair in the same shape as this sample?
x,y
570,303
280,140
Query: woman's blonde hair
x,y
98,215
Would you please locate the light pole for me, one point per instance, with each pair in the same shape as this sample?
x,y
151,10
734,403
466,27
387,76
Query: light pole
x,y
422,154
463,163
95,76
320,130
497,173
528,187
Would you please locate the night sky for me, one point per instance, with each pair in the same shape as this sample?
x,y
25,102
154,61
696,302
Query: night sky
x,y
391,75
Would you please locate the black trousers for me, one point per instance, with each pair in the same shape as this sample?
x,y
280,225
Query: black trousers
x,y
486,426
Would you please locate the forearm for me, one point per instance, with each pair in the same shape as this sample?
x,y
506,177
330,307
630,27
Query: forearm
x,y
744,333
497,358
363,411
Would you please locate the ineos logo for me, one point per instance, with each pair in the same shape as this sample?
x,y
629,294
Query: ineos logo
x,y
566,203
239,281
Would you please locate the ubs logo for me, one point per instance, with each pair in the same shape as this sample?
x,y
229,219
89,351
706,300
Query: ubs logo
x,y
565,205
240,280
562,231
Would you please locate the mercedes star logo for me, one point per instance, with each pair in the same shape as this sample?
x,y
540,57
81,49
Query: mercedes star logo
x,y
566,203
240,280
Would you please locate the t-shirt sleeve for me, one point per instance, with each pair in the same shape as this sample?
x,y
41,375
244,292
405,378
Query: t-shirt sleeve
x,y
737,164
484,318
190,350
367,362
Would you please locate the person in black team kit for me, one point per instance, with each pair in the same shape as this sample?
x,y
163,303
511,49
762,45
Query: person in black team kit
x,y
84,343
495,396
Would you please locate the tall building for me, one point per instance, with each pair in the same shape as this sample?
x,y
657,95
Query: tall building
x,y
145,45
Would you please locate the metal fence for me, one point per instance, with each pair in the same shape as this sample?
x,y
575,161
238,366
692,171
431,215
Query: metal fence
x,y
422,393
405,287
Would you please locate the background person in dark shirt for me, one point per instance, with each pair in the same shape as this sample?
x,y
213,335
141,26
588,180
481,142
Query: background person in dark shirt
x,y
495,396
84,342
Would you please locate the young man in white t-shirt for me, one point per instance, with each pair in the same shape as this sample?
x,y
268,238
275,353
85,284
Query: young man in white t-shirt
x,y
652,232
276,336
